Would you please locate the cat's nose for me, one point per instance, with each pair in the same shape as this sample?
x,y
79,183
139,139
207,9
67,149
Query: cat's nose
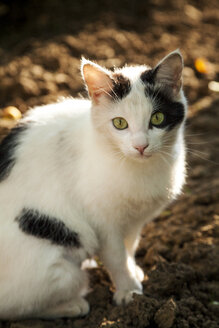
x,y
141,148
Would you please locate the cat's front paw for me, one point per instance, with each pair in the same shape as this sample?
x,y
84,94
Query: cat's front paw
x,y
139,273
125,296
80,308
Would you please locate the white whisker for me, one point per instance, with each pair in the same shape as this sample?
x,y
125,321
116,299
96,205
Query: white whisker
x,y
113,91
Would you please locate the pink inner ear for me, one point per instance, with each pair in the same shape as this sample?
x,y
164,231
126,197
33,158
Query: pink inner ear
x,y
98,81
177,80
95,95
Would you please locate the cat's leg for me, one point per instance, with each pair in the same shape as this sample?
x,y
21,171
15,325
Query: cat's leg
x,y
41,280
115,256
135,269
77,307
56,295
68,295
131,244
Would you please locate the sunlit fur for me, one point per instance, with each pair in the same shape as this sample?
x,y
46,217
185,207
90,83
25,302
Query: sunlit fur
x,y
74,165
137,110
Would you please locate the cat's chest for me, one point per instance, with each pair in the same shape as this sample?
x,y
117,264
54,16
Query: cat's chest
x,y
123,193
141,198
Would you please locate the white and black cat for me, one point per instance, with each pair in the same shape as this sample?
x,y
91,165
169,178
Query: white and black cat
x,y
82,177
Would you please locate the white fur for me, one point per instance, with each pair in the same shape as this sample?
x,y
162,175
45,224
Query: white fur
x,y
74,165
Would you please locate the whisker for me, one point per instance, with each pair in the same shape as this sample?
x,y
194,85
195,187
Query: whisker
x,y
197,143
166,153
197,151
112,91
106,92
167,147
187,164
192,152
164,159
196,134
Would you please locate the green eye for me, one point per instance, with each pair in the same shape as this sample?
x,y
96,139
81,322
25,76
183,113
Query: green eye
x,y
157,118
120,123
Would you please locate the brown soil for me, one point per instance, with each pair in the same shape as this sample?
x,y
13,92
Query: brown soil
x,y
41,45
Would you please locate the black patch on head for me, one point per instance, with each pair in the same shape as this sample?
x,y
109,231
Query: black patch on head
x,y
148,76
43,226
121,86
173,111
7,150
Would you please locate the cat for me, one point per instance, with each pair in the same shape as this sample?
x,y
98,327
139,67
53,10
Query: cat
x,y
82,177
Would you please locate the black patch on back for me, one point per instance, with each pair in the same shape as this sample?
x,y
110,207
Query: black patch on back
x,y
173,111
7,150
43,226
121,86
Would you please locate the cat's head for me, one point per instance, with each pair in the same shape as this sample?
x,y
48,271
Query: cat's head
x,y
137,109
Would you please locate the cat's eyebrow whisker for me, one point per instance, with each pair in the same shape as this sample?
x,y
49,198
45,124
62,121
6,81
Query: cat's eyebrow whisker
x,y
117,98
155,97
103,90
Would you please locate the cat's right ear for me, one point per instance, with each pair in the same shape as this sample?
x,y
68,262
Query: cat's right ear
x,y
97,79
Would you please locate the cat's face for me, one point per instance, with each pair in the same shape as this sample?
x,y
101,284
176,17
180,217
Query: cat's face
x,y
136,109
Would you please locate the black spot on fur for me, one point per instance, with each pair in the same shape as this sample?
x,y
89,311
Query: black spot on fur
x,y
121,86
173,111
7,150
148,76
43,226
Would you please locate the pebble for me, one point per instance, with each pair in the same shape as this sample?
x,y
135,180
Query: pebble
x,y
11,113
165,316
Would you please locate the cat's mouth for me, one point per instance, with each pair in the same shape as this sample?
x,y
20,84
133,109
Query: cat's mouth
x,y
141,157
144,155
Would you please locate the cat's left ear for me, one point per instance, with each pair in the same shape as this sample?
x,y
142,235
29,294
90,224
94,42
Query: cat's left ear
x,y
98,80
169,72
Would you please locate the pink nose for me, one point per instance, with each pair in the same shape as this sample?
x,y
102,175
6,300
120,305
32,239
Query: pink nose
x,y
141,148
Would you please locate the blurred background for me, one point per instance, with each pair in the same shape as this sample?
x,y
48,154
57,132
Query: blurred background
x,y
41,43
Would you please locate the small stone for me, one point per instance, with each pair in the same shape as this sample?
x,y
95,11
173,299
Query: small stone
x,y
11,113
165,316
213,86
151,256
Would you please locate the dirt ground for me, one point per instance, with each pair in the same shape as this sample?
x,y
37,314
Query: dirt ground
x,y
41,43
